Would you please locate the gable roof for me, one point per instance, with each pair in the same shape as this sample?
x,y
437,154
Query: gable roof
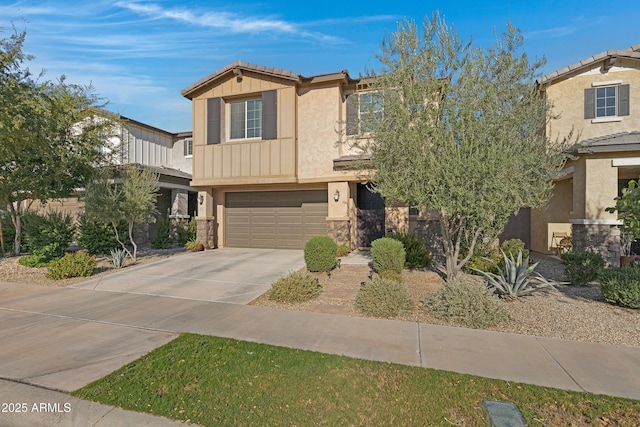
x,y
238,67
609,57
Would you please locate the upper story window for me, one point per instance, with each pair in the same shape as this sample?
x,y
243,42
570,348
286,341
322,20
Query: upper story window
x,y
370,111
364,112
188,147
245,119
606,101
251,118
606,104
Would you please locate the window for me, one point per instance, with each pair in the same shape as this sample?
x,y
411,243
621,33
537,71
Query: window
x,y
245,119
188,147
369,111
606,101
364,112
253,118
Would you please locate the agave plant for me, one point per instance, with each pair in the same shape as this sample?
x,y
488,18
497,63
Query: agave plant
x,y
118,257
517,278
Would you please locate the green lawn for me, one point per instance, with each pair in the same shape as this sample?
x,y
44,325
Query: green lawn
x,y
217,381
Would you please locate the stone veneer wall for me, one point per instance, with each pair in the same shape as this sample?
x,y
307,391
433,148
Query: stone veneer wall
x,y
599,238
340,231
206,232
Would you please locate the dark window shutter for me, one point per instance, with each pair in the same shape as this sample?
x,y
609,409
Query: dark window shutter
x,y
185,146
213,121
270,114
352,114
590,103
623,100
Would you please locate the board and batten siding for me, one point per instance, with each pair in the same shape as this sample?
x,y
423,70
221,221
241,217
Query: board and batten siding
x,y
271,159
148,148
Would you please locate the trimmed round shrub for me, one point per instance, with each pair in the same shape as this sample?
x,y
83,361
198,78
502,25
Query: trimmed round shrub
x,y
297,286
387,254
79,264
621,286
416,254
467,303
383,298
320,253
580,268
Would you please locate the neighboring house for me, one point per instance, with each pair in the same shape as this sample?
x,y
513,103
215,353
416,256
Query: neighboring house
x,y
269,166
599,100
165,153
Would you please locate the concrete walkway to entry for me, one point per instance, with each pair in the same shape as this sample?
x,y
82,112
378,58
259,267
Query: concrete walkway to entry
x,y
64,338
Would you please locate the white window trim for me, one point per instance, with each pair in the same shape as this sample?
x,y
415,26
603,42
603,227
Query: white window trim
x,y
609,119
608,83
361,133
189,156
228,119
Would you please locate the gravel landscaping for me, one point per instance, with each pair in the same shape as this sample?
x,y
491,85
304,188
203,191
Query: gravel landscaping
x,y
567,312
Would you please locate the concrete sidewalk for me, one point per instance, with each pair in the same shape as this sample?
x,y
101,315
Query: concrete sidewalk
x,y
67,314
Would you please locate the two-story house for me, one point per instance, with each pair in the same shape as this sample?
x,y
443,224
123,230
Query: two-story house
x,y
598,99
268,162
165,153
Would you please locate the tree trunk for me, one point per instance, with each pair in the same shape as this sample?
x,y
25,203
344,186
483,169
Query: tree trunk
x,y
17,224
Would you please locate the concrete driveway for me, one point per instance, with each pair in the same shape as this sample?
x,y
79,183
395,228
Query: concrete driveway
x,y
231,275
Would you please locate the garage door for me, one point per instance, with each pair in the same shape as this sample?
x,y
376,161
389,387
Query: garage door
x,y
275,219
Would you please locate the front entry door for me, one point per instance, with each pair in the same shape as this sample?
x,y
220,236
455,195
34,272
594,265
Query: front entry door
x,y
370,216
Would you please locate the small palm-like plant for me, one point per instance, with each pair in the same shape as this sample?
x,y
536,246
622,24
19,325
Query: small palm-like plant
x,y
517,278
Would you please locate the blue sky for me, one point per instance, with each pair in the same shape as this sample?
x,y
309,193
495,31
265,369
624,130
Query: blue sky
x,y
139,54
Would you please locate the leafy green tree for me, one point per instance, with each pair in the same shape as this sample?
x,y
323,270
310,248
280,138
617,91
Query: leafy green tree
x,y
628,208
123,194
461,133
49,135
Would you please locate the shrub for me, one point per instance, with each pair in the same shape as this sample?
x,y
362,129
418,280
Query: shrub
x,y
621,286
416,254
512,247
467,303
98,237
297,286
343,250
194,246
79,264
387,254
392,275
163,235
485,258
47,236
517,277
582,267
34,260
184,231
383,298
320,253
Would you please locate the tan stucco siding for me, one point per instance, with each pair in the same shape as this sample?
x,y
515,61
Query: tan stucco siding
x,y
319,113
567,97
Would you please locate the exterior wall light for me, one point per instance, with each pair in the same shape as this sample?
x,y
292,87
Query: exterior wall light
x,y
336,196
200,199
